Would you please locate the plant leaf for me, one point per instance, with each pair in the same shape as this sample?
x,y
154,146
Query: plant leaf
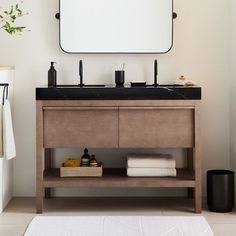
x,y
11,11
8,19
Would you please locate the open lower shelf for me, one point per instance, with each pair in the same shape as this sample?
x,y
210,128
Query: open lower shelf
x,y
114,177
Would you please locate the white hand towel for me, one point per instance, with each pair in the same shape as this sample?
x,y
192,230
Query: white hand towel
x,y
1,134
151,172
151,160
8,135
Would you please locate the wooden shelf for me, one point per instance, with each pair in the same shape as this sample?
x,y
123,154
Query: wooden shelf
x,y
118,178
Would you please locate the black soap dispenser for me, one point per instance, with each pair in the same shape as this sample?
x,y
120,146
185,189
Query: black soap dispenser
x,y
52,76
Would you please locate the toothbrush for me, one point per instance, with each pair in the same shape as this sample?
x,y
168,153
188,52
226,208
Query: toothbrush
x,y
123,67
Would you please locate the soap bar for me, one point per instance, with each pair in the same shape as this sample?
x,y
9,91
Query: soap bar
x,y
179,82
189,83
71,163
183,81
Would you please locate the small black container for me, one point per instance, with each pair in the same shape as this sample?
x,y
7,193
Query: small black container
x,y
52,76
220,190
85,159
120,77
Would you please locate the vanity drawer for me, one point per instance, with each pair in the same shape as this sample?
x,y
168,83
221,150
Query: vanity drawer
x,y
153,127
92,127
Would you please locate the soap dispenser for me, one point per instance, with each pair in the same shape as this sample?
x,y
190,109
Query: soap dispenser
x,y
52,76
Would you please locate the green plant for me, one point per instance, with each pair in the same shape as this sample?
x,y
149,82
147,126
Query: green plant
x,y
8,19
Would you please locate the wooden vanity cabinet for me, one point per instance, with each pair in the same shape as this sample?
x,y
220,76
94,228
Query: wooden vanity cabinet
x,y
149,127
118,124
68,127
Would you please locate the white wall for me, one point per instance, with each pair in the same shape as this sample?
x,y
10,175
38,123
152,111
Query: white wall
x,y
201,52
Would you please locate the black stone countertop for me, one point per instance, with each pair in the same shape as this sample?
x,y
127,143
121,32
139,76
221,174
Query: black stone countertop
x,y
109,92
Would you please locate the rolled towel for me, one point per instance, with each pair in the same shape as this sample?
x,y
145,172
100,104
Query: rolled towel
x,y
151,160
151,172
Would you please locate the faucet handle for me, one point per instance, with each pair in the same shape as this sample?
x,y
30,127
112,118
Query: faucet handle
x,y
155,72
80,68
155,68
81,72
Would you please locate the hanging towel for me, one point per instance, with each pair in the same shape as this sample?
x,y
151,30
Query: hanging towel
x,y
151,172
9,148
150,160
1,134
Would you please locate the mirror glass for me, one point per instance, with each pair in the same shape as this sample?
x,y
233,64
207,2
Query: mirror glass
x,y
116,26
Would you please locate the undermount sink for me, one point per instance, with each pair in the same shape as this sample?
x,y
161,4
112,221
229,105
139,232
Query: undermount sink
x,y
111,92
114,86
84,86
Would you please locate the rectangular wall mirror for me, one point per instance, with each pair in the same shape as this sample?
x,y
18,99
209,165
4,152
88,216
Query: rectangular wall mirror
x,y
116,26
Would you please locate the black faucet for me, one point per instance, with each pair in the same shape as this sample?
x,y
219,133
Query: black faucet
x,y
81,73
155,73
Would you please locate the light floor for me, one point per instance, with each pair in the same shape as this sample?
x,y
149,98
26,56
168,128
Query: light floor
x,y
20,211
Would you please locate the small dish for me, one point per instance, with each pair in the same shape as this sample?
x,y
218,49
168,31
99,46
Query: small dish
x,y
137,83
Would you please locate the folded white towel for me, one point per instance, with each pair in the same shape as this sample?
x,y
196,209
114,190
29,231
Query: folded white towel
x,y
8,136
151,172
151,160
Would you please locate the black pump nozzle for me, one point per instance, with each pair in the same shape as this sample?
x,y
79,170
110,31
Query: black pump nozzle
x,y
52,63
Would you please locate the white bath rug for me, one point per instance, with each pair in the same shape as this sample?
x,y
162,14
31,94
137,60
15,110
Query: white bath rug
x,y
118,226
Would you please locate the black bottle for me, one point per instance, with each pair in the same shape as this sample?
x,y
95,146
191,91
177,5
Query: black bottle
x,y
85,159
52,76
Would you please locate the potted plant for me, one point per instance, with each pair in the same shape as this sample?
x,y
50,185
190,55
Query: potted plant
x,y
9,17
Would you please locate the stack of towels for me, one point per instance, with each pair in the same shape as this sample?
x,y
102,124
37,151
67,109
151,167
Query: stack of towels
x,y
150,165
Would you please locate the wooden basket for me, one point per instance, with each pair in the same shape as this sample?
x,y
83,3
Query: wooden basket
x,y
81,171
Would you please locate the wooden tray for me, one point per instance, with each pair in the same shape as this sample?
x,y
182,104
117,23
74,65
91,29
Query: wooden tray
x,y
81,171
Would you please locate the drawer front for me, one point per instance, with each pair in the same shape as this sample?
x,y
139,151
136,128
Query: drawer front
x,y
156,127
80,127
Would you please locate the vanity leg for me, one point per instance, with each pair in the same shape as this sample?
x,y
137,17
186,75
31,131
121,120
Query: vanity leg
x,y
48,165
190,167
198,198
39,158
39,180
198,182
197,163
39,200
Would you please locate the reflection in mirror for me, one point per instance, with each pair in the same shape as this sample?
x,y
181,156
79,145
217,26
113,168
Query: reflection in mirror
x,y
116,26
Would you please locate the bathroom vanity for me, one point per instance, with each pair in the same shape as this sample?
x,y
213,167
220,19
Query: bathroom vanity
x,y
95,117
